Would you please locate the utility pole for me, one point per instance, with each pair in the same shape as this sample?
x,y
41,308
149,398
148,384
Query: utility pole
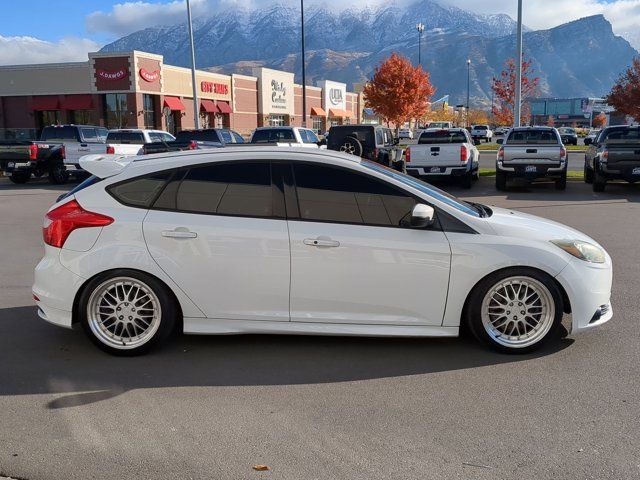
x,y
420,28
304,76
517,108
196,113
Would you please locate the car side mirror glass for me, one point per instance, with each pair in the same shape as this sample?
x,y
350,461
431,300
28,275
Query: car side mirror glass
x,y
422,215
500,141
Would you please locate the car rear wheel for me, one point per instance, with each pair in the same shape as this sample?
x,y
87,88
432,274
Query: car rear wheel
x,y
352,146
515,310
127,312
58,174
466,180
20,177
599,182
588,175
501,181
561,184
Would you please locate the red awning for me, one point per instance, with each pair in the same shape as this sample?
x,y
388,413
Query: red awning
x,y
336,112
46,102
77,102
173,103
208,106
224,107
318,112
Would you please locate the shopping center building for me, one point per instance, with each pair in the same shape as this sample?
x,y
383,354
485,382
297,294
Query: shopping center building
x,y
137,90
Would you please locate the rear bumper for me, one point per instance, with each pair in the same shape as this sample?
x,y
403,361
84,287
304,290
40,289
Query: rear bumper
x,y
626,172
9,166
525,171
440,171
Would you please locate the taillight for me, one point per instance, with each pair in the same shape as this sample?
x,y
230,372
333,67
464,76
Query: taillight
x,y
60,222
110,150
63,152
193,145
563,152
464,153
33,152
501,154
605,154
407,155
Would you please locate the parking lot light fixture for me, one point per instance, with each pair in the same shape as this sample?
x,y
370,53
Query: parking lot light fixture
x,y
196,120
420,28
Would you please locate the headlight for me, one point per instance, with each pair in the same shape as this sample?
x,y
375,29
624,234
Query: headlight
x,y
582,250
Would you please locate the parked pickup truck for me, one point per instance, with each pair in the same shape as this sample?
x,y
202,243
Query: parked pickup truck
x,y
532,153
614,155
444,153
481,132
132,141
56,154
194,140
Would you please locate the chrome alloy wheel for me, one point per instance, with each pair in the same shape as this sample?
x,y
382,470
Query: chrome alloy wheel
x,y
123,313
518,312
348,147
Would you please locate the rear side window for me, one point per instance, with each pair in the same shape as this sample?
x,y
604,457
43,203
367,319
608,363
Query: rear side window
x,y
336,195
621,136
89,134
442,136
226,136
532,137
60,134
141,191
242,189
311,136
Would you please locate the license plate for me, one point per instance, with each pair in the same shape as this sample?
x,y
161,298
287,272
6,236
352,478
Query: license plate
x,y
11,164
635,171
435,170
530,169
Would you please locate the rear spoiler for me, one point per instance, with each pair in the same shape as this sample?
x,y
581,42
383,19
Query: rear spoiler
x,y
105,165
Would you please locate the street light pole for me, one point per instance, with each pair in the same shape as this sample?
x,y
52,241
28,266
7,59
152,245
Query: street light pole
x,y
468,89
420,28
517,108
196,117
304,77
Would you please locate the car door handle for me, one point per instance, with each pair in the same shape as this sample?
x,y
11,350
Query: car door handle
x,y
321,242
83,145
179,233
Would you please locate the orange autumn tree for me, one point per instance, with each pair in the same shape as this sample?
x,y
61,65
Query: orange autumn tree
x,y
600,120
504,89
625,94
398,91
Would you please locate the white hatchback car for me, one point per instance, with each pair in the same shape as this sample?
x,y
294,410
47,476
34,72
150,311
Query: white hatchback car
x,y
266,240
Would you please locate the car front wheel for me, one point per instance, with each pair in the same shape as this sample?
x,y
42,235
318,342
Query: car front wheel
x,y
127,312
515,310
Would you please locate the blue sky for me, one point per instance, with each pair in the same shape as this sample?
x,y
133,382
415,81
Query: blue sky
x,y
65,30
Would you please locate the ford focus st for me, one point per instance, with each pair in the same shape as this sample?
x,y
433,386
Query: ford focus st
x,y
298,241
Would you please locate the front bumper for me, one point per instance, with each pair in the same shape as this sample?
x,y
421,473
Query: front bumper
x,y
55,288
588,287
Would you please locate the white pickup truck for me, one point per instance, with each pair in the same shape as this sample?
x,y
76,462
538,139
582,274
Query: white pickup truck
x,y
481,132
286,137
442,153
132,141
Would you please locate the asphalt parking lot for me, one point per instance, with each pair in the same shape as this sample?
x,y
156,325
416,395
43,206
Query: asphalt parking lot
x,y
324,408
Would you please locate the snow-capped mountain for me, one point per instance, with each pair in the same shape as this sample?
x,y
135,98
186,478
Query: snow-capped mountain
x,y
579,58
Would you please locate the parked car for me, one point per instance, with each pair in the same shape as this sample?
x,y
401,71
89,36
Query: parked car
x,y
405,133
195,140
440,125
615,155
202,240
501,131
444,153
481,132
532,153
591,136
568,135
373,142
132,141
287,136
56,154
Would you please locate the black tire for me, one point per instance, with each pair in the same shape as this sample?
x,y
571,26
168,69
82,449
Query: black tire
x,y
20,177
561,184
588,174
473,308
599,182
466,180
58,174
353,146
168,308
501,181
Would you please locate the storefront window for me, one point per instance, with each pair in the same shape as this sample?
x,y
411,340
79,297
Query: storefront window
x,y
115,110
82,117
276,121
48,117
219,121
316,125
149,111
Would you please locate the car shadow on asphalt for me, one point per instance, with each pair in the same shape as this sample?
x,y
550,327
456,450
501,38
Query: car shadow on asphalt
x,y
37,183
38,358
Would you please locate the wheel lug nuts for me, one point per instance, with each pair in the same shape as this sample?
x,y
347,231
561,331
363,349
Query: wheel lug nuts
x,y
522,312
120,317
508,312
130,318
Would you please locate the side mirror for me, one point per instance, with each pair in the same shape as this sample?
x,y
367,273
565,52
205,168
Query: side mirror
x,y
422,216
500,141
588,141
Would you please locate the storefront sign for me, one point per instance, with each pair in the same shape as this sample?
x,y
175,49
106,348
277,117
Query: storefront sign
x,y
278,95
334,95
149,76
276,92
212,87
112,75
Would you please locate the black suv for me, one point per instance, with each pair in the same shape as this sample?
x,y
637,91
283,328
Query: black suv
x,y
373,142
614,155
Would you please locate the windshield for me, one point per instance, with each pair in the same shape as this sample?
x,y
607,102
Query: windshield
x,y
424,187
442,136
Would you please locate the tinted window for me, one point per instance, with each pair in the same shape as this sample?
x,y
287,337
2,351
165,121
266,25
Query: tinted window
x,y
237,137
379,137
226,136
480,127
133,138
336,195
155,136
167,137
312,137
198,136
102,134
303,135
273,135
443,136
60,134
227,189
141,191
532,137
282,135
260,136
89,134
621,135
